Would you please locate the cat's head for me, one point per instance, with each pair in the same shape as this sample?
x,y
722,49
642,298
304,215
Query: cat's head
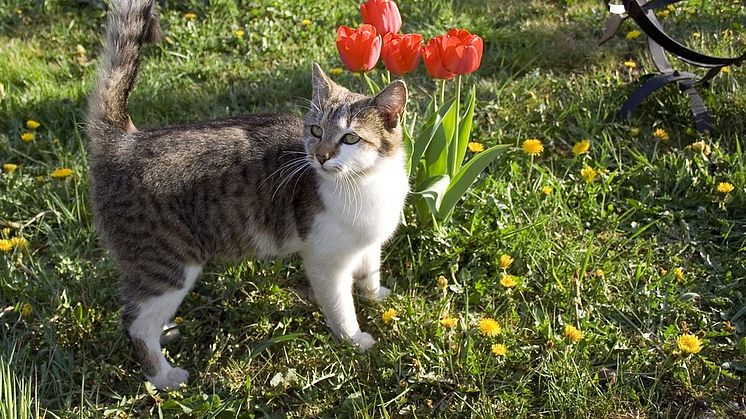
x,y
350,133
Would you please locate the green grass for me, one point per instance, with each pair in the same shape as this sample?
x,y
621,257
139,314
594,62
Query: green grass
x,y
252,341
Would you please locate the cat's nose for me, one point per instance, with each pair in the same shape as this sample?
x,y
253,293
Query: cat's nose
x,y
323,157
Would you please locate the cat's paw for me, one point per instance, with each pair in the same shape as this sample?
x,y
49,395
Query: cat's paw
x,y
363,341
170,379
380,294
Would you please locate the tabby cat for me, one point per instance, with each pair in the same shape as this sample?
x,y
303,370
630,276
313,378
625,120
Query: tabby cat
x,y
166,201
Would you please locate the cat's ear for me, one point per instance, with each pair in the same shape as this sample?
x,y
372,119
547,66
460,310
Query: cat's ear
x,y
391,101
322,85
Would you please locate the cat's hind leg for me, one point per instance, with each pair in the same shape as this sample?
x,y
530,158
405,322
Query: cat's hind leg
x,y
144,318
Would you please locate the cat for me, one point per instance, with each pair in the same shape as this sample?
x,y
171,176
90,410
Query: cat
x,y
166,201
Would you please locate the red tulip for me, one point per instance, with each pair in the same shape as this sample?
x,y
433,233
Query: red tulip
x,y
359,48
401,53
383,14
433,63
460,51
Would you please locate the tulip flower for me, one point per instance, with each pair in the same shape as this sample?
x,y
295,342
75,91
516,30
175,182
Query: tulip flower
x,y
359,48
383,14
433,62
401,53
460,51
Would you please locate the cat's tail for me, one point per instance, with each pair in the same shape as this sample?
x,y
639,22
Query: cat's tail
x,y
132,23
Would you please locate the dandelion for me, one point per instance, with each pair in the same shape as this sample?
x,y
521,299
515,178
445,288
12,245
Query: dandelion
x,y
190,16
588,174
31,124
27,137
475,147
61,173
661,134
700,147
10,167
508,281
547,190
634,34
489,327
634,131
499,349
448,322
696,35
689,344
573,334
581,148
306,22
335,71
505,261
725,69
533,147
442,282
238,33
630,64
178,320
6,245
678,273
389,315
19,242
663,13
26,310
599,273
725,187
80,51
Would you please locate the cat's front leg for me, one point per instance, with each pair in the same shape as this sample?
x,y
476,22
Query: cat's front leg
x,y
331,279
368,275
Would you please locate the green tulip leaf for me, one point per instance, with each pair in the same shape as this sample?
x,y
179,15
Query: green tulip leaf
x,y
464,132
436,155
433,191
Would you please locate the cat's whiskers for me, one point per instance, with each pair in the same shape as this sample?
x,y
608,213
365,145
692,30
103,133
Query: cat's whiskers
x,y
287,179
282,166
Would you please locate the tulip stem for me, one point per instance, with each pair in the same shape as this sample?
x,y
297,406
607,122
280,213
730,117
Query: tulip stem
x,y
457,164
442,93
372,86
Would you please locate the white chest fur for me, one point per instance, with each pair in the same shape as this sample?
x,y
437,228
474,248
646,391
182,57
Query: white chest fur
x,y
364,210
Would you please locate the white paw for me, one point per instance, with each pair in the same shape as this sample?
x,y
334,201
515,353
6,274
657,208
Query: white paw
x,y
363,341
170,379
380,294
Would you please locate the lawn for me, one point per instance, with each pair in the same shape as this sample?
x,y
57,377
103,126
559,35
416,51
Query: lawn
x,y
646,252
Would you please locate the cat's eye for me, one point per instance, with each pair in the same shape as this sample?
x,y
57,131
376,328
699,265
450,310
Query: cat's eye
x,y
350,138
316,131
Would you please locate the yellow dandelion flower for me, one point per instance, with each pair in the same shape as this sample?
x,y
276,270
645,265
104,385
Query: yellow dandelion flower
x,y
634,131
599,273
696,35
508,281
61,173
238,33
725,187
306,22
27,137
700,147
547,190
178,320
634,34
661,134
573,334
79,50
19,242
505,261
689,344
26,310
581,148
448,322
6,245
630,64
475,147
499,349
588,174
678,273
533,147
10,167
663,13
190,16
6,232
725,69
335,71
489,327
389,315
442,282
31,124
